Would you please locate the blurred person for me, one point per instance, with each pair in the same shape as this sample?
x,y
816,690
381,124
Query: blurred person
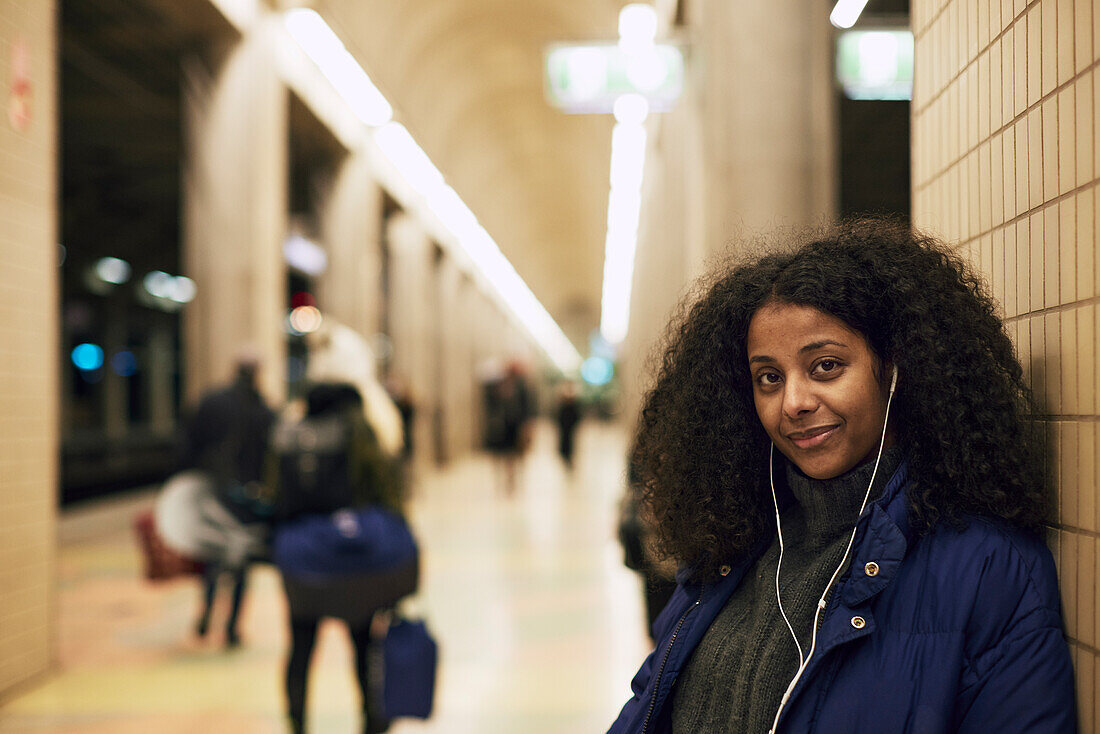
x,y
509,410
341,543
637,539
401,394
569,417
338,353
841,454
226,438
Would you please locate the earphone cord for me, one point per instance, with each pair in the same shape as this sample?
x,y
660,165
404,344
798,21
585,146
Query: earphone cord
x,y
803,662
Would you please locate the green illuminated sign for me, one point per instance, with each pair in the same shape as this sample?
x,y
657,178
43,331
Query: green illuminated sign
x,y
589,78
875,64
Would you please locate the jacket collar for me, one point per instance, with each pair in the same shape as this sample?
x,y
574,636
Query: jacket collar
x,y
885,535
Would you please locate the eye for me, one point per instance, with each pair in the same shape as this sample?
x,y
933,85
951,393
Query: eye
x,y
768,379
827,367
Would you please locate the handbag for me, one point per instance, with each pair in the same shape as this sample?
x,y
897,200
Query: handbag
x,y
410,657
161,562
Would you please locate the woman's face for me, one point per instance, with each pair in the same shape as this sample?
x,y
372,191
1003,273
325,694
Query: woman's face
x,y
816,388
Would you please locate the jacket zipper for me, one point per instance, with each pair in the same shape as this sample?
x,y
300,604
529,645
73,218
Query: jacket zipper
x,y
664,660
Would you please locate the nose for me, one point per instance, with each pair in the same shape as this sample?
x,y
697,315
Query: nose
x,y
799,398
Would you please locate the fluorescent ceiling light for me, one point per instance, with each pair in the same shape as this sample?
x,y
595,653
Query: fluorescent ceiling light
x,y
846,12
416,168
637,25
305,255
338,65
409,158
623,213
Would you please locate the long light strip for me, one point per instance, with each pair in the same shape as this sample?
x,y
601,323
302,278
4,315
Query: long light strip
x,y
416,168
420,174
846,12
338,65
637,29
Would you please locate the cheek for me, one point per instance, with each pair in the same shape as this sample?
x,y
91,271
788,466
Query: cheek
x,y
767,407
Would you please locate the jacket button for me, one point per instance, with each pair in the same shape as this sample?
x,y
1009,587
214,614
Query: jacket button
x,y
871,569
859,622
724,570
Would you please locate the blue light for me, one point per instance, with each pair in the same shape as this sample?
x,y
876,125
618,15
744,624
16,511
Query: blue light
x,y
597,371
87,357
124,363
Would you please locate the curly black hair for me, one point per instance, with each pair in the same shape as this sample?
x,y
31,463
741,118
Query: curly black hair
x,y
964,414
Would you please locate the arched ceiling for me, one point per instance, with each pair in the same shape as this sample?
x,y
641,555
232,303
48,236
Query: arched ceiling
x,y
466,78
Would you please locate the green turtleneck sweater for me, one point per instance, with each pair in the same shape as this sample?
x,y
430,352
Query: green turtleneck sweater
x,y
738,673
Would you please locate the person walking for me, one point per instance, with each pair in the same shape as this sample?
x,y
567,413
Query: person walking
x,y
226,438
341,543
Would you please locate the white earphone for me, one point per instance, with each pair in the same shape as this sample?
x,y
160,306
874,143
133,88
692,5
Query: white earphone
x,y
804,660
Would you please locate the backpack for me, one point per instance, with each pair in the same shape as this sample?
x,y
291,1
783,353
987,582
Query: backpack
x,y
317,464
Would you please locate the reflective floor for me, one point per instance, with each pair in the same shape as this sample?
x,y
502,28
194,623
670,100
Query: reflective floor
x,y
540,626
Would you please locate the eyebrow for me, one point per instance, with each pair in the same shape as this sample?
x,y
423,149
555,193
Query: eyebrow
x,y
808,348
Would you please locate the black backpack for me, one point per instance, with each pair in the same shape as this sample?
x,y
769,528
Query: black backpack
x,y
318,465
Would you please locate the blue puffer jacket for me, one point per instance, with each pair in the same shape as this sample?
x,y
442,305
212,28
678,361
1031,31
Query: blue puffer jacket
x,y
954,631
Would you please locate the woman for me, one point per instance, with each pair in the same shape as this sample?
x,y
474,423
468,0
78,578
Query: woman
x,y
342,546
839,453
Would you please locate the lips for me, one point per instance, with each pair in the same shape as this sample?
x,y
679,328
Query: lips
x,y
812,437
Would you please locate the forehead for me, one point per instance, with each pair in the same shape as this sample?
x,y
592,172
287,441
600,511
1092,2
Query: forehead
x,y
779,328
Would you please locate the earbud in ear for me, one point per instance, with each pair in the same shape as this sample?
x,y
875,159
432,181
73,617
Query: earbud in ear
x,y
894,380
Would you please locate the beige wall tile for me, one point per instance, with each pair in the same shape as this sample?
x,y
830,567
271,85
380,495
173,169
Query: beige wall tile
x,y
1051,246
1023,266
1008,75
1049,110
983,24
1068,579
984,206
1083,39
983,98
1086,590
1084,136
996,183
1009,171
1065,40
1035,121
1086,359
1049,59
997,240
1086,473
1034,54
1067,362
1011,276
1085,666
1067,151
1052,363
1067,250
1067,477
1020,68
969,219
996,106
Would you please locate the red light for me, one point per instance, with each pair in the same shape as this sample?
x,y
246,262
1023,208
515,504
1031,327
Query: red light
x,y
302,298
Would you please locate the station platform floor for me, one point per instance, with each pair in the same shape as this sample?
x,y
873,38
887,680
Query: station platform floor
x,y
539,624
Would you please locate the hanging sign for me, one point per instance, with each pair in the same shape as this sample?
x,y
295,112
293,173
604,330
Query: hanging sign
x,y
20,93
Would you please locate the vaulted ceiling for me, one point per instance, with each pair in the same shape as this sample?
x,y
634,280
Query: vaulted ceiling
x,y
466,79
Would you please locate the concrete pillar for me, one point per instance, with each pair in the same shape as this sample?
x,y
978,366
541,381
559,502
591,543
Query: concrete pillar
x,y
413,313
350,221
29,324
235,211
1006,164
751,146
456,373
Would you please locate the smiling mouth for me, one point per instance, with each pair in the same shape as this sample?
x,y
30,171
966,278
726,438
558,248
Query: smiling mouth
x,y
813,437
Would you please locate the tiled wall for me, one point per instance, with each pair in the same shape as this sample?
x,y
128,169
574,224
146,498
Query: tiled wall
x,y
1005,162
28,324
